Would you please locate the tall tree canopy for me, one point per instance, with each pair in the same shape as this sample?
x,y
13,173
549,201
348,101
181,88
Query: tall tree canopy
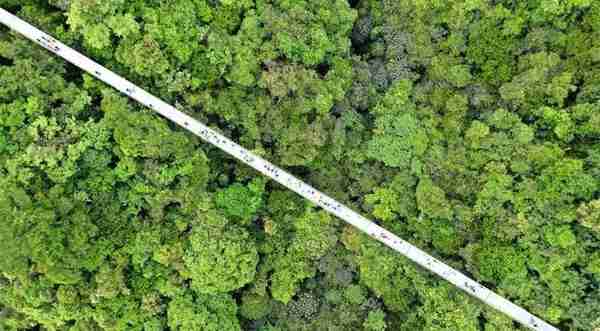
x,y
470,128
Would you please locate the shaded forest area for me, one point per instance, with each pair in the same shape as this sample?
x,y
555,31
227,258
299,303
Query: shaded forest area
x,y
470,128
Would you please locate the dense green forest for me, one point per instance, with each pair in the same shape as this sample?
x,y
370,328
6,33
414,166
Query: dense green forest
x,y
471,128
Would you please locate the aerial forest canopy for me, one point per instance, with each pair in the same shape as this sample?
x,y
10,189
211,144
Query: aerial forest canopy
x,y
470,128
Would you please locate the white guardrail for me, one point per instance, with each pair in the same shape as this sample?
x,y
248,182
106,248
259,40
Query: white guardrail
x,y
270,170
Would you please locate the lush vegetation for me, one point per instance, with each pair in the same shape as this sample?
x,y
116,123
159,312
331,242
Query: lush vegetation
x,y
469,127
